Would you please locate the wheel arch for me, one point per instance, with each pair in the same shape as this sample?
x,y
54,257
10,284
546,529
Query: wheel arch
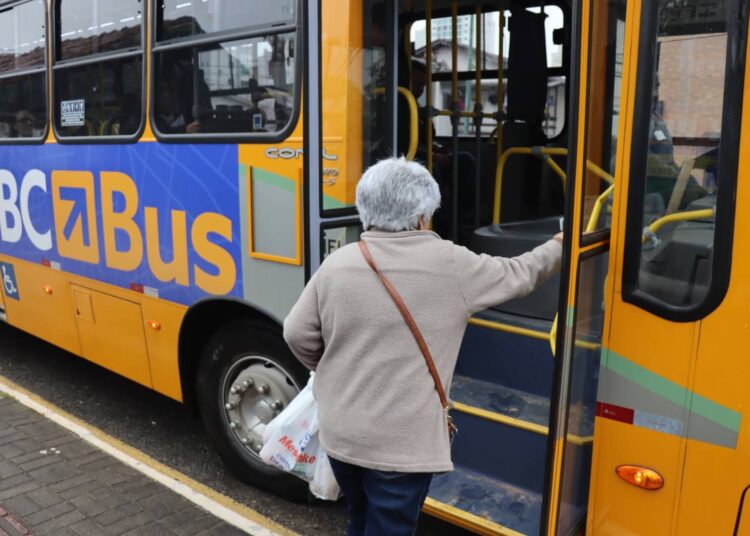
x,y
201,321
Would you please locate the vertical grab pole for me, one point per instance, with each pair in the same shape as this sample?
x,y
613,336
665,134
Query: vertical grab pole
x,y
478,115
428,70
500,91
454,120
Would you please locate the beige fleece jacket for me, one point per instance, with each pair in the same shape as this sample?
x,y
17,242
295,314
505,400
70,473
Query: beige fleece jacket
x,y
377,402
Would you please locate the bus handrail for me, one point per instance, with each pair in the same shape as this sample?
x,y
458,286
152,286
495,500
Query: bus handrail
x,y
526,332
459,113
596,210
649,232
413,122
545,152
413,119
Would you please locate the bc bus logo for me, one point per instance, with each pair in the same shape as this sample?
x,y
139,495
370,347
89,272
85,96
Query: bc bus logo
x,y
103,224
9,280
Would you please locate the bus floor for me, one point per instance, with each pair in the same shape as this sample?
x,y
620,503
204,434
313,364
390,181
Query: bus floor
x,y
145,425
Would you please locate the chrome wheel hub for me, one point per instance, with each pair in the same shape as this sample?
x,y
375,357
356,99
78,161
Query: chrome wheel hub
x,y
254,391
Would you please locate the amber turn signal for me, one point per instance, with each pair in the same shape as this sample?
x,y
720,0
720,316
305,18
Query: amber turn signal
x,y
641,477
153,324
48,289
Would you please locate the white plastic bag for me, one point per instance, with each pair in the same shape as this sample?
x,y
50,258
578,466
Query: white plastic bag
x,y
290,443
323,484
286,437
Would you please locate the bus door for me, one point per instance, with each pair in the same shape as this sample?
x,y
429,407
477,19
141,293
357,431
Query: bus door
x,y
350,115
670,455
597,145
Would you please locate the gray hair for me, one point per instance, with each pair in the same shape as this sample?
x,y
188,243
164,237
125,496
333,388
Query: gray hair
x,y
394,193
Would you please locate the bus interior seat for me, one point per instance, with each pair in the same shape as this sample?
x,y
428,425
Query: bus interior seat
x,y
516,238
677,267
225,118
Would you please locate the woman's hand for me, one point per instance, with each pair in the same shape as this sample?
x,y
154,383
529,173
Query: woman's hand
x,y
559,237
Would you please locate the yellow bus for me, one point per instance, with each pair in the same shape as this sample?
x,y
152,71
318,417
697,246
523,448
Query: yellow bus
x,y
171,173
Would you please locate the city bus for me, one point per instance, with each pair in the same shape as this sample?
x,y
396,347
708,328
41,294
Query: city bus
x,y
172,173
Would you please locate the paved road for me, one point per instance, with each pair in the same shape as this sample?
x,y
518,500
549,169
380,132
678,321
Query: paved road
x,y
157,426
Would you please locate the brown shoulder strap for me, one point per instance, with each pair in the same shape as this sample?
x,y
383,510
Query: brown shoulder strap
x,y
409,322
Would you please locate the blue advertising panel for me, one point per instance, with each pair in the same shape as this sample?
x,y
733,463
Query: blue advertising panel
x,y
157,218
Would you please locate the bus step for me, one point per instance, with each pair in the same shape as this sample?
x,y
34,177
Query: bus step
x,y
515,360
496,401
513,454
3,316
486,504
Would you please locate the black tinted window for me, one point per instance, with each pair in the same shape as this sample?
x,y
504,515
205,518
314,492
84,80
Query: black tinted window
x,y
99,99
23,98
244,86
184,18
685,156
91,26
23,106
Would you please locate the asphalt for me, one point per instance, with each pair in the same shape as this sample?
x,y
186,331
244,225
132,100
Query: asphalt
x,y
159,427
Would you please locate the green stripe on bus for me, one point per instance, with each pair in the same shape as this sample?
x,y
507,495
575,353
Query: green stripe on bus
x,y
570,316
673,392
330,203
279,181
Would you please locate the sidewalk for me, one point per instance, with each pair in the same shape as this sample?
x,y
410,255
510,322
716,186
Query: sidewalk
x,y
52,482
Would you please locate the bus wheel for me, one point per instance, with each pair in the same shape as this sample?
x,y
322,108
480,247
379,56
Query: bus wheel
x,y
246,376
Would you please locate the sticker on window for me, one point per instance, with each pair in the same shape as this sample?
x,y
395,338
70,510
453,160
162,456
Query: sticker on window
x,y
72,113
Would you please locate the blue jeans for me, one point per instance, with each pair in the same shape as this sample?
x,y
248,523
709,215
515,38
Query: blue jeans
x,y
381,503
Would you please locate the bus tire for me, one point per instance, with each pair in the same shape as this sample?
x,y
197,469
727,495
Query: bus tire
x,y
247,375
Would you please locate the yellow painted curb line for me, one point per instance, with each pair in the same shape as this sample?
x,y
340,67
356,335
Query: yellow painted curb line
x,y
7,386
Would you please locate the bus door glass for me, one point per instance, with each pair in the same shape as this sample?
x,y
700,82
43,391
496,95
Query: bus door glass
x,y
577,371
357,115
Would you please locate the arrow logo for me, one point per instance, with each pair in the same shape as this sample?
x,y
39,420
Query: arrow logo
x,y
77,213
74,209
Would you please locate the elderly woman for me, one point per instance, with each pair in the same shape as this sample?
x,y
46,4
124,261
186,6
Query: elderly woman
x,y
381,421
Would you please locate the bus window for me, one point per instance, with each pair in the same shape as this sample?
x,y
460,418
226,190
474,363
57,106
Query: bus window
x,y
23,95
685,151
241,86
181,18
442,32
98,98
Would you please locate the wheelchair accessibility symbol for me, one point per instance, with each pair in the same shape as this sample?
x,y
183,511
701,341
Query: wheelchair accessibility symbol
x,y
9,281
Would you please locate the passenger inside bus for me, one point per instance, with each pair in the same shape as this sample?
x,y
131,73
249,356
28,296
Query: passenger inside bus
x,y
25,125
168,117
442,156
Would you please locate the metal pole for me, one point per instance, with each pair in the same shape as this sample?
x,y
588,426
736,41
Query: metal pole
x,y
391,46
454,120
500,90
478,115
428,106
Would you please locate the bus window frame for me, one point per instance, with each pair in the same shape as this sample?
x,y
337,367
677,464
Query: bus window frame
x,y
37,140
729,150
89,59
224,36
335,224
600,234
